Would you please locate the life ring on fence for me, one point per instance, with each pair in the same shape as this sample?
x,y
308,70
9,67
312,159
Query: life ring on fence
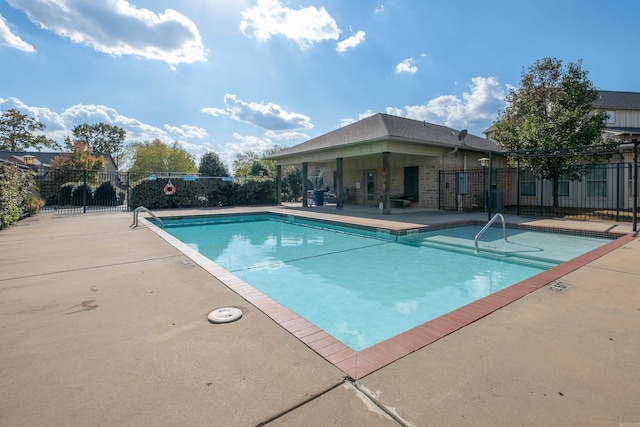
x,y
169,189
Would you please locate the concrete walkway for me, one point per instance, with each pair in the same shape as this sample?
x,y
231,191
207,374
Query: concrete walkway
x,y
105,325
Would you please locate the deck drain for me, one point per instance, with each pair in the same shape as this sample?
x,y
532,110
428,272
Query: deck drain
x,y
224,315
559,286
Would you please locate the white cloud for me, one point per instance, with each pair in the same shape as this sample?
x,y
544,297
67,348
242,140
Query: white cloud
x,y
304,26
348,121
394,111
186,131
243,144
407,66
269,116
215,112
60,125
475,110
52,120
117,28
351,42
7,38
286,135
480,105
379,9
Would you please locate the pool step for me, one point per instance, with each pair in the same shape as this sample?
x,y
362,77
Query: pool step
x,y
486,252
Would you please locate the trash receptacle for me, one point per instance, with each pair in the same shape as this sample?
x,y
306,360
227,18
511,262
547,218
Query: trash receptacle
x,y
319,197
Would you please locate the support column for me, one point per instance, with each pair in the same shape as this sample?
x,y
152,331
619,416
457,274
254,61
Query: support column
x,y
339,183
305,173
386,182
279,185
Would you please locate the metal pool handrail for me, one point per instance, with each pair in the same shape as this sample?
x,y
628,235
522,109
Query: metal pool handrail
x,y
504,229
143,209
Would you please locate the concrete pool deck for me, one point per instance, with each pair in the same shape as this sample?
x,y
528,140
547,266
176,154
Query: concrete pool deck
x,y
105,325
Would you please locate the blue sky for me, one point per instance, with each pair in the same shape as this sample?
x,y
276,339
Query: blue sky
x,y
231,76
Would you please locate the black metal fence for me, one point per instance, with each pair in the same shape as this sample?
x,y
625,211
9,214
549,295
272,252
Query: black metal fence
x,y
80,191
605,193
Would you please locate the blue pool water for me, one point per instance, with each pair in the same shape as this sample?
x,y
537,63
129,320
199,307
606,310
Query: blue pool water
x,y
363,287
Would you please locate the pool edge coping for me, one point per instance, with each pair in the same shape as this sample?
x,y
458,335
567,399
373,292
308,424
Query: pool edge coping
x,y
358,364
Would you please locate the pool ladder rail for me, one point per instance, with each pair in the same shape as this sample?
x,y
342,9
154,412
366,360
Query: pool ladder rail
x,y
491,221
143,209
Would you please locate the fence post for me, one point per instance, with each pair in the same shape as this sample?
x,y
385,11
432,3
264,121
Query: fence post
x,y
518,189
619,183
127,193
635,184
541,196
440,190
84,191
490,199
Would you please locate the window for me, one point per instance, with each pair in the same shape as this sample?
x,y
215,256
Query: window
x,y
611,117
597,182
527,183
563,186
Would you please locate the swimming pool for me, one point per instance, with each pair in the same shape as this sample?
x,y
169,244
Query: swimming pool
x,y
363,286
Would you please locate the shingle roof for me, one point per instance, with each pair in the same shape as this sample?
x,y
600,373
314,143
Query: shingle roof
x,y
387,127
43,158
618,100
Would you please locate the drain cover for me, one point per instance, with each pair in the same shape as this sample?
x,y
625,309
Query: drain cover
x,y
559,286
224,315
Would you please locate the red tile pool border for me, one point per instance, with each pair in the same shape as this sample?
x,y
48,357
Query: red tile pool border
x,y
357,364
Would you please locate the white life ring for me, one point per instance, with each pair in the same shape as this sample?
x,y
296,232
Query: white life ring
x,y
169,189
224,315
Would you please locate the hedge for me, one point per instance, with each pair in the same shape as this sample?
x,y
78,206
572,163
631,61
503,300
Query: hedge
x,y
16,187
200,193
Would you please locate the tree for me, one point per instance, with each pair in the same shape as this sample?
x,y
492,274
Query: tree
x,y
253,164
550,123
16,132
258,168
101,137
292,183
242,163
78,156
156,156
211,165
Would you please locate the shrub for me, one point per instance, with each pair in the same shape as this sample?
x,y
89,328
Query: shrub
x,y
64,195
106,194
15,186
78,194
221,194
201,193
33,202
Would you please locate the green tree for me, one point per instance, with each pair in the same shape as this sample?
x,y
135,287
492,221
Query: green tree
x,y
211,165
254,164
552,114
17,132
258,168
156,156
291,183
243,161
102,138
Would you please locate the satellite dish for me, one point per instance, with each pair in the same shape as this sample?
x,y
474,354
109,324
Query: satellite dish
x,y
462,135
